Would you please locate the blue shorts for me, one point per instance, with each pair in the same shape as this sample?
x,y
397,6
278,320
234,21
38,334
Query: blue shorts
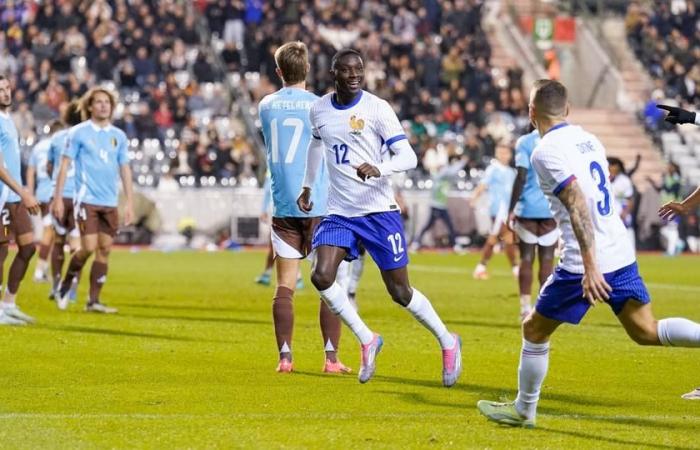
x,y
562,299
380,233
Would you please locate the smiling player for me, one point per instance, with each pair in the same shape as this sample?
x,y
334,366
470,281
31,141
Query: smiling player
x,y
350,128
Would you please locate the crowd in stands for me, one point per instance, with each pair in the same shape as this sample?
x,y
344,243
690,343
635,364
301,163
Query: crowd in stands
x,y
665,36
430,59
174,107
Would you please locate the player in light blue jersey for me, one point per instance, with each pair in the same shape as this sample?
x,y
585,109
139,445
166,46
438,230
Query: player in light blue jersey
x,y
64,229
16,204
39,182
530,218
284,116
100,152
497,182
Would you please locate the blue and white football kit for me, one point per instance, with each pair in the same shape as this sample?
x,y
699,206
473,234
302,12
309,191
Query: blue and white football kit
x,y
567,153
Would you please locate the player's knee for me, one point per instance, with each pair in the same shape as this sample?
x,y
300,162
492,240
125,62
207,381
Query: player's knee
x,y
26,251
645,335
532,333
322,279
401,294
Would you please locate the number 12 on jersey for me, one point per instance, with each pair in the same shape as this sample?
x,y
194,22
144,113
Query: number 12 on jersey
x,y
341,154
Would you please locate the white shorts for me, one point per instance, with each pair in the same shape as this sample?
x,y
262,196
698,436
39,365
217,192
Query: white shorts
x,y
499,220
529,237
284,250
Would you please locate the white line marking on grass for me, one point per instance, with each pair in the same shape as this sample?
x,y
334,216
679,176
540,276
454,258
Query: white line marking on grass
x,y
504,273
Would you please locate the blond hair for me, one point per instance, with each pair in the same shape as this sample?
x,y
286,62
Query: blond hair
x,y
292,60
85,103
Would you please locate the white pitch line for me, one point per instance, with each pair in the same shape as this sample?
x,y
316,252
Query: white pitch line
x,y
453,270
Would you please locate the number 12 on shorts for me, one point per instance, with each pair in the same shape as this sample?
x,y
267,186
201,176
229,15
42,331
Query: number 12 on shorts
x,y
396,243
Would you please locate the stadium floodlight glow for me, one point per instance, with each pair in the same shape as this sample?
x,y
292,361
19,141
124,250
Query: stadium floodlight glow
x,y
408,184
224,181
421,184
165,168
428,184
160,156
462,173
212,180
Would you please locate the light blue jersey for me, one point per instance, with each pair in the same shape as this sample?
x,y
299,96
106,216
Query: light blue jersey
x,y
9,146
532,203
287,131
59,142
99,154
38,160
499,180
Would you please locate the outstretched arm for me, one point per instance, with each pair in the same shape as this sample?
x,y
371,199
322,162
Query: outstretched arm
x,y
672,209
595,288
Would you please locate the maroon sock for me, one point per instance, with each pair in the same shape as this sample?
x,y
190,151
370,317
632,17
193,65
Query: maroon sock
x,y
98,277
330,330
57,260
44,250
19,266
3,257
74,267
283,317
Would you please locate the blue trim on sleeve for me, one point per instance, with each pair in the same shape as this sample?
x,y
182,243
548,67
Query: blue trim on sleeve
x,y
563,184
556,127
396,138
354,101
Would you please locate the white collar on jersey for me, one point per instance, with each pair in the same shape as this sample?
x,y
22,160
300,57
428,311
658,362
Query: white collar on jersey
x,y
4,115
99,128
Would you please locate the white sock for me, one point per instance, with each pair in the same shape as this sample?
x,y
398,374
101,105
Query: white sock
x,y
9,299
356,268
423,311
534,361
677,332
525,303
342,275
337,300
480,268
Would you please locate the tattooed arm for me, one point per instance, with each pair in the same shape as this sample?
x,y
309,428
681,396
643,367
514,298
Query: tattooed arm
x,y
594,285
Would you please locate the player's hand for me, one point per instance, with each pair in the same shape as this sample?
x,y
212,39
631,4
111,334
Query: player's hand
x,y
31,204
304,200
128,215
673,209
57,209
264,217
595,288
677,115
366,171
511,222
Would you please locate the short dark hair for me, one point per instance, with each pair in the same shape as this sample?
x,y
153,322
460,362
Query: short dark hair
x,y
342,53
293,61
550,97
614,161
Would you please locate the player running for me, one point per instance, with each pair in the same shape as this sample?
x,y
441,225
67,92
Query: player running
x,y
100,152
285,123
16,204
530,218
498,182
39,183
350,129
597,263
65,228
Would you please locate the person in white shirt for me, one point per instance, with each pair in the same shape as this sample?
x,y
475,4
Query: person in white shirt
x,y
623,194
597,262
355,132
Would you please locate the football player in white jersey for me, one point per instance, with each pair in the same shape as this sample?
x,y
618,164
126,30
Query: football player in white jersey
x,y
597,263
351,130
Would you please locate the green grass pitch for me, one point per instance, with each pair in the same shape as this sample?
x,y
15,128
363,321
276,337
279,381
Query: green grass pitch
x,y
189,363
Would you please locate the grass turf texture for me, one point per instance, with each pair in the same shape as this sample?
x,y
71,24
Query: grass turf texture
x,y
189,363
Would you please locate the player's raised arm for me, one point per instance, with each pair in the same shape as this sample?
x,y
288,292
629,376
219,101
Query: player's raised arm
x,y
594,285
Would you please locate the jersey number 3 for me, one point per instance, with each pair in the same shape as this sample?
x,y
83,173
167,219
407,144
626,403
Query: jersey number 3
x,y
599,177
298,126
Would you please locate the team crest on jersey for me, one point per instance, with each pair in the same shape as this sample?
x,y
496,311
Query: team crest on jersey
x,y
356,125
